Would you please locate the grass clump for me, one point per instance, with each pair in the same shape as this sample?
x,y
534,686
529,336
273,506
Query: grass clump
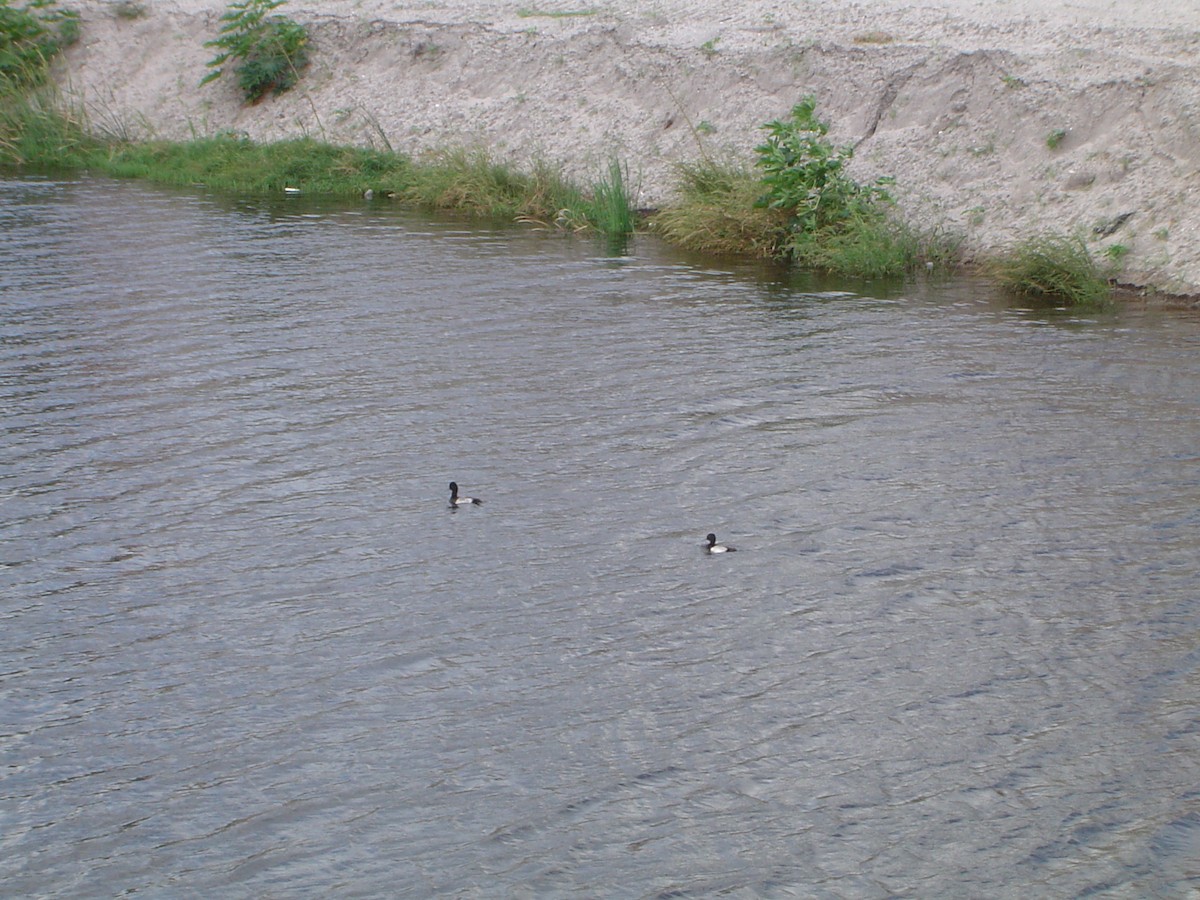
x,y
472,181
31,34
469,179
270,51
1052,268
36,129
718,212
611,210
232,163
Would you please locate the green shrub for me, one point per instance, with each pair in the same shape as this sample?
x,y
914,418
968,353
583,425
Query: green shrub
x,y
804,174
30,35
271,50
1053,268
834,223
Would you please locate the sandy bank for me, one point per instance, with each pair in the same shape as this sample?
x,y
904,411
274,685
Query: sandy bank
x,y
954,98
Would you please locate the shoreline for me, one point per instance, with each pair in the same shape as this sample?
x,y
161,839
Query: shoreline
x,y
956,100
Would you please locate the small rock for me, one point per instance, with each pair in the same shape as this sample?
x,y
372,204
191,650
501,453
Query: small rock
x,y
1077,181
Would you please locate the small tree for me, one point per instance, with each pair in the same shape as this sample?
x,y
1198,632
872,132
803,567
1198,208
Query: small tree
x,y
272,50
804,173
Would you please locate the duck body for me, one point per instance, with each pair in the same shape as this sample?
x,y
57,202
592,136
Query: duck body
x,y
713,547
457,501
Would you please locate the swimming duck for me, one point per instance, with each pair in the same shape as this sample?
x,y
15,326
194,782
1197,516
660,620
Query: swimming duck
x,y
713,547
456,500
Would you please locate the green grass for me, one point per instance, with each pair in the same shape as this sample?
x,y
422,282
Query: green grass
x,y
876,247
611,210
31,34
236,164
470,179
718,212
1052,268
37,129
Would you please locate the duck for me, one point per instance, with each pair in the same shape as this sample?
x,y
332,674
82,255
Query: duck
x,y
456,500
713,547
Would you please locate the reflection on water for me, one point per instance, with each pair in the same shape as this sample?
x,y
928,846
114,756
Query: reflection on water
x,y
248,650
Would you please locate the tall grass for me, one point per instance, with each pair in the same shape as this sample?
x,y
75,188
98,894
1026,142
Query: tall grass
x,y
718,211
1052,268
37,129
30,36
611,211
470,179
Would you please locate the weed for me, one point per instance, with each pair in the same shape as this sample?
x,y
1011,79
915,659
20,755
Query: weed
x,y
228,162
873,37
471,180
611,210
1012,82
875,246
1055,138
1115,254
1054,268
706,127
804,174
36,128
271,50
30,36
718,212
803,207
709,47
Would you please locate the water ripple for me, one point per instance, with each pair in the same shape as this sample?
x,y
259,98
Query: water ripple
x,y
248,649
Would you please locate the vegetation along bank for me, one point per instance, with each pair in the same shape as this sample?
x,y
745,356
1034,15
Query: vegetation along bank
x,y
938,126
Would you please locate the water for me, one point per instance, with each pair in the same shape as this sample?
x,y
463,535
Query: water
x,y
247,650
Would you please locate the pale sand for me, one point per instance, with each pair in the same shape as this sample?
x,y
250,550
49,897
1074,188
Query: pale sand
x,y
953,98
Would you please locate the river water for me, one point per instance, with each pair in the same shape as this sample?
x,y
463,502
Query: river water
x,y
248,650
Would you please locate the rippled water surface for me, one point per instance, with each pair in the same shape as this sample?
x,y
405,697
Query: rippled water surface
x,y
248,650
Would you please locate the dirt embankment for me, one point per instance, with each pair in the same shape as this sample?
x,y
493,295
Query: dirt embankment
x,y
997,118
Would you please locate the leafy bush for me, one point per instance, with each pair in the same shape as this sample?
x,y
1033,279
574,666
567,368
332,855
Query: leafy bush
x,y
30,36
835,223
804,174
272,50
